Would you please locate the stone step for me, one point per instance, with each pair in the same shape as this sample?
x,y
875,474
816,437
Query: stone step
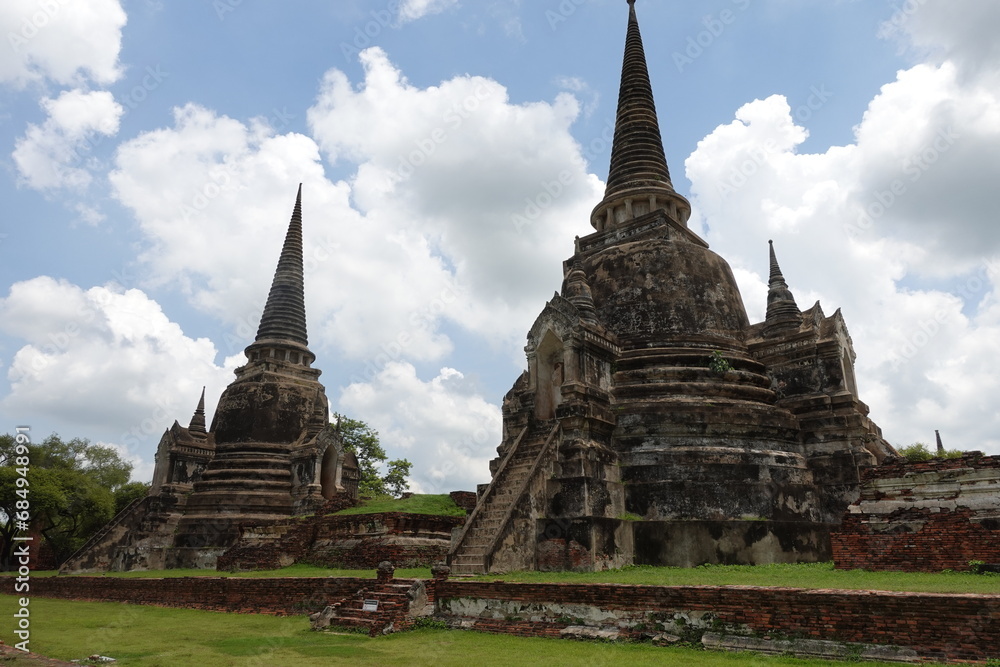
x,y
463,559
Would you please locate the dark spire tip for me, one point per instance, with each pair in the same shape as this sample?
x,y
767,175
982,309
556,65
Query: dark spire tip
x,y
284,316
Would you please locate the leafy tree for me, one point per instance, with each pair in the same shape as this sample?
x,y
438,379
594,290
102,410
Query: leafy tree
x,y
362,439
395,480
127,493
73,490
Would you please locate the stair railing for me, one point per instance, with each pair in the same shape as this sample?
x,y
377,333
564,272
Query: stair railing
x,y
488,555
100,534
487,493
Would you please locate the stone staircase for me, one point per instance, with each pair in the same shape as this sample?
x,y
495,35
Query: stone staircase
x,y
136,506
473,548
390,606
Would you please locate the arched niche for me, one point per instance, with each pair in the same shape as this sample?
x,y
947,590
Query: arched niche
x,y
329,471
549,375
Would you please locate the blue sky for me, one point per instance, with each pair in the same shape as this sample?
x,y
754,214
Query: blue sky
x,y
450,150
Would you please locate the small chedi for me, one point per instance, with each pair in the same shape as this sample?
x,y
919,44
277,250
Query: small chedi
x,y
270,453
655,424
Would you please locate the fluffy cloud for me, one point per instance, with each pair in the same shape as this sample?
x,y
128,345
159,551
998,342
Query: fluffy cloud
x,y
105,360
49,155
411,10
897,228
61,40
456,212
960,31
444,427
497,189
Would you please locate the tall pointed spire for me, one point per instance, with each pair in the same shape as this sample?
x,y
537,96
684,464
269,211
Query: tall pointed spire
x,y
284,317
782,311
638,179
197,425
637,156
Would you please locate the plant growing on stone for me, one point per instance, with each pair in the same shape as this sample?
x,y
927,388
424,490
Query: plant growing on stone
x,y
719,364
918,451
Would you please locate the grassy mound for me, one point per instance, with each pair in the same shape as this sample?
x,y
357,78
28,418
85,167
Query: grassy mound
x,y
418,503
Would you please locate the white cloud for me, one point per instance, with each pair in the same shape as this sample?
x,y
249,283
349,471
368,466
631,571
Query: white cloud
x,y
57,153
213,196
444,427
499,190
104,359
859,226
960,31
460,210
65,41
411,10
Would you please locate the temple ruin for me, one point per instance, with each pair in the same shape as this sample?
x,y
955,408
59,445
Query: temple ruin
x,y
270,454
655,424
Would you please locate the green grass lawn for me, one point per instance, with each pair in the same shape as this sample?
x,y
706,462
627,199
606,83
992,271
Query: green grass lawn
x,y
418,503
802,575
805,575
140,636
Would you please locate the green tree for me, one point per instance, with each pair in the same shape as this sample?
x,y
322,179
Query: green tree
x,y
127,493
362,439
73,489
395,480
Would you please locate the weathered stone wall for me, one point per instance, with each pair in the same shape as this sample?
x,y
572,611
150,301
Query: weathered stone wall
x,y
357,541
929,516
938,626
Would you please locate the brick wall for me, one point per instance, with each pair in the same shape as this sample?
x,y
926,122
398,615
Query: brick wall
x,y
938,626
280,596
928,516
464,499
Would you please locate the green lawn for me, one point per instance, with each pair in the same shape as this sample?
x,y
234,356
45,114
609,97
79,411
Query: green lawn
x,y
418,503
157,637
808,575
803,575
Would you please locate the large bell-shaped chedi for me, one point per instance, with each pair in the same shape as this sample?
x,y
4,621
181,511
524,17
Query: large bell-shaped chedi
x,y
271,424
646,429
